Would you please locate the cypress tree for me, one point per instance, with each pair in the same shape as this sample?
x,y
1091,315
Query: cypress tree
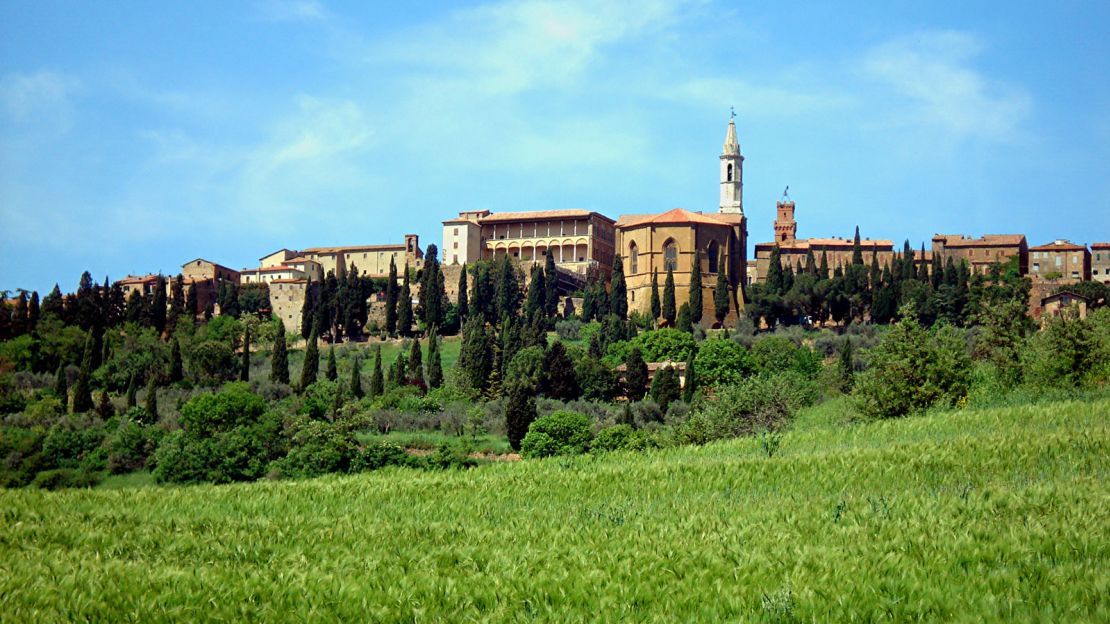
x,y
391,299
665,387
811,263
475,355
876,272
551,282
150,409
857,251
33,311
684,322
245,359
519,413
416,364
845,367
618,292
158,305
332,372
339,401
534,301
104,406
668,299
691,385
309,311
558,381
377,384
430,302
397,370
19,317
656,306
695,288
61,388
404,306
635,375
311,363
192,303
132,391
82,391
721,302
596,350
356,379
774,272
625,417
937,277
464,298
507,288
823,270
435,365
279,359
923,267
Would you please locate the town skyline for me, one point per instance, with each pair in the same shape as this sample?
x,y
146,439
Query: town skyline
x,y
121,157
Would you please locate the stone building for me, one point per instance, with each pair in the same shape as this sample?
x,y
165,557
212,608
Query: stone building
x,y
205,277
370,260
672,240
287,297
838,252
1059,303
142,284
1100,262
981,253
579,239
1060,260
282,264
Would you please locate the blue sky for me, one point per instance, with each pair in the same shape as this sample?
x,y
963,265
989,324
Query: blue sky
x,y
135,136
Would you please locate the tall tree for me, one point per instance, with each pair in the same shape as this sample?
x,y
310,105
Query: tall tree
x,y
519,413
665,387
551,282
656,305
558,380
695,288
923,267
635,375
177,366
464,297
82,388
775,282
823,269
507,288
377,383
691,386
245,358
669,310
618,292
684,321
311,363
150,409
721,303
404,306
61,388
158,305
52,303
416,364
475,355
132,391
845,367
192,303
431,301
435,364
332,371
356,378
391,299
811,263
857,251
279,359
33,311
534,301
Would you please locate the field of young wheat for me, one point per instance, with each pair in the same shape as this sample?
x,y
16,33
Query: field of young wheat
x,y
993,514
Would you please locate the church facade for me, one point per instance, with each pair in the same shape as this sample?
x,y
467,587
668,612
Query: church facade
x,y
675,240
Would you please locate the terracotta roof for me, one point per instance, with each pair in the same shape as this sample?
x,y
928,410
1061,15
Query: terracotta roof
x,y
501,217
138,279
301,260
1060,245
801,244
218,266
676,215
1063,293
987,240
273,269
331,250
289,281
292,251
1100,245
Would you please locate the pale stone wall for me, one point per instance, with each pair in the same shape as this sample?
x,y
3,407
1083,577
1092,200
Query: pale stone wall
x,y
287,301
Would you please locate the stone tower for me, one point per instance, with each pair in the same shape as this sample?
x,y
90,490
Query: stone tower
x,y
732,172
786,228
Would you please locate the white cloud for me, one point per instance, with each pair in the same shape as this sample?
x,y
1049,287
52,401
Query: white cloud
x,y
933,72
292,10
40,95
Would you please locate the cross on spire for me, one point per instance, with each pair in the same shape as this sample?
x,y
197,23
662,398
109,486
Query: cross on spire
x,y
731,113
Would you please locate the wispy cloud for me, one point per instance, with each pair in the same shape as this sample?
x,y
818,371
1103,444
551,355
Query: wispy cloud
x,y
934,73
292,10
42,95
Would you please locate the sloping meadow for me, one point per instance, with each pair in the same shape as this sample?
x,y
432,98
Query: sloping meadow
x,y
1000,514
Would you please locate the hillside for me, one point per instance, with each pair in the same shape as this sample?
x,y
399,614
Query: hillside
x,y
976,515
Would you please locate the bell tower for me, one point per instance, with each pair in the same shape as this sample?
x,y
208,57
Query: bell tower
x,y
732,172
786,228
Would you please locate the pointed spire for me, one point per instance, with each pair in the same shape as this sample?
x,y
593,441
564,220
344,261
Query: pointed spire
x,y
732,146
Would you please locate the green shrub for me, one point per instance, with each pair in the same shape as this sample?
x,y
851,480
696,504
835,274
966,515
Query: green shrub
x,y
71,440
376,456
775,354
1068,353
721,361
912,369
655,346
66,478
561,433
129,446
616,438
21,452
317,448
760,403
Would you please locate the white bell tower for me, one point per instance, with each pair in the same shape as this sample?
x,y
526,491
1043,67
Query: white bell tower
x,y
732,172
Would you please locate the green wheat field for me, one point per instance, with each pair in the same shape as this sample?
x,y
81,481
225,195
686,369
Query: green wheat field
x,y
995,514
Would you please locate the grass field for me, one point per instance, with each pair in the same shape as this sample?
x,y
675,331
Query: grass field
x,y
994,514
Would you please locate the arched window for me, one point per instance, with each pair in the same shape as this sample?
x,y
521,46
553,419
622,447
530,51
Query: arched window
x,y
730,172
670,255
713,253
633,258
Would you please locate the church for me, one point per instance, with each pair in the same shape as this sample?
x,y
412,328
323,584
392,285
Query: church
x,y
671,241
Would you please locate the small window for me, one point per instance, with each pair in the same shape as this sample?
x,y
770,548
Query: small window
x,y
633,258
670,255
456,231
713,253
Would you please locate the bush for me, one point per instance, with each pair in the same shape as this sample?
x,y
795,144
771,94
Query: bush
x,y
561,433
775,354
616,438
376,456
66,478
569,330
129,447
913,369
72,441
1069,353
722,362
655,346
760,403
318,448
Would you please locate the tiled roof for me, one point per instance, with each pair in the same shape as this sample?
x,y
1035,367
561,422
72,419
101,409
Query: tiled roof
x,y
1100,245
289,281
332,250
218,266
1062,245
138,279
801,244
571,213
272,253
676,215
273,269
987,240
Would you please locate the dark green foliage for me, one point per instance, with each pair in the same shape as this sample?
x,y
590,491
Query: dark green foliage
x,y
82,388
669,311
537,290
665,387
61,388
391,299
397,371
845,366
475,355
519,414
132,392
773,354
356,379
104,407
560,433
559,381
432,301
377,383
404,306
245,357
656,306
760,403
618,292
463,304
435,362
721,302
279,359
696,304
311,363
721,362
150,407
690,388
213,362
912,369
129,446
857,251
684,322
177,366
507,296
1069,352
621,437
332,371
635,375
551,279
415,364
598,382
158,305
1001,338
